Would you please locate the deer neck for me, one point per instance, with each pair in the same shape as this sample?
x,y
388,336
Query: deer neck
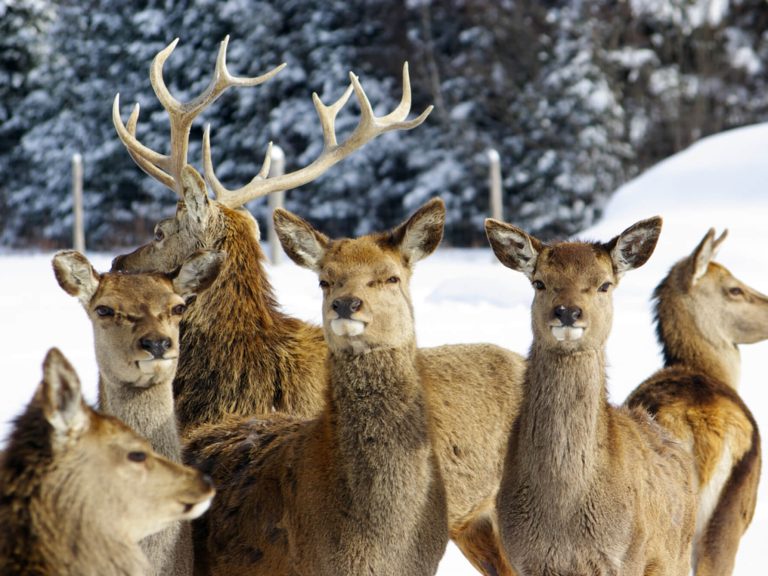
x,y
702,348
562,421
149,411
377,421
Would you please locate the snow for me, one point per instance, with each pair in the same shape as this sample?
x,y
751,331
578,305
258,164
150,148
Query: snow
x,y
466,296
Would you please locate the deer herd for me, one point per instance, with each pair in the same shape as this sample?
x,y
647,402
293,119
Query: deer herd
x,y
233,439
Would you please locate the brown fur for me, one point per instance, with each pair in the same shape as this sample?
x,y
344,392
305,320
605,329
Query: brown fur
x,y
702,314
79,489
358,489
587,488
241,355
127,312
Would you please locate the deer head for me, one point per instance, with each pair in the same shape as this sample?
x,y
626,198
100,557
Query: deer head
x,y
365,281
721,307
136,317
105,472
202,222
573,281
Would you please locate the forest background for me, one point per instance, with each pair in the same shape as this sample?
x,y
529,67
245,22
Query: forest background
x,y
576,96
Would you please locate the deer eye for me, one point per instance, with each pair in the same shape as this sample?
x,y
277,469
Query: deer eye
x,y
393,280
735,291
137,456
179,309
324,284
104,311
159,235
605,286
538,285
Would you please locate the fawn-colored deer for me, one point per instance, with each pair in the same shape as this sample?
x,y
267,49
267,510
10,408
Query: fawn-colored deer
x,y
240,354
79,489
135,319
587,488
703,314
358,489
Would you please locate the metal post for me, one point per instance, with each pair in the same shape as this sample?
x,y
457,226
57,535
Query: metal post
x,y
78,232
494,181
275,200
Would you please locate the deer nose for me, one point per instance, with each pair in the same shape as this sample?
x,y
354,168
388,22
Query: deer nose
x,y
155,346
567,314
346,306
117,264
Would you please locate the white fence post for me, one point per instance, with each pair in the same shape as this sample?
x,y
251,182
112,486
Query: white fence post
x,y
494,181
78,232
275,200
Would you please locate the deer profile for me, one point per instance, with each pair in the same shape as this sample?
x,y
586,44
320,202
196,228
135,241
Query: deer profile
x,y
240,354
587,488
135,319
79,489
703,314
358,489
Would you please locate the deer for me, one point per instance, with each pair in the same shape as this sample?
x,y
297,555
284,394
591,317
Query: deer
x,y
587,487
135,320
79,489
356,490
702,314
241,355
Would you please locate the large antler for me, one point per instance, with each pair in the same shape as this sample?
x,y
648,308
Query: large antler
x,y
367,129
167,168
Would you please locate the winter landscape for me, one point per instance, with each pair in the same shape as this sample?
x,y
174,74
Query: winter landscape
x,y
464,295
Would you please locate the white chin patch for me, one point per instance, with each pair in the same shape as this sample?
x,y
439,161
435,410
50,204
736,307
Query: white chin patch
x,y
344,327
567,333
156,365
198,509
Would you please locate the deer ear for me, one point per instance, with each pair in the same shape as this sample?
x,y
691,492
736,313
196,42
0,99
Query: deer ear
x,y
75,275
303,244
195,195
632,248
198,272
62,399
704,253
513,247
421,234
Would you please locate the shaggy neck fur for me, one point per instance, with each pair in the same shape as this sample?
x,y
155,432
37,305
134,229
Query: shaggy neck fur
x,y
684,343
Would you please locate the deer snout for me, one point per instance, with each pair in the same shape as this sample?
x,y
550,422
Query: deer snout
x,y
118,264
567,314
157,346
346,306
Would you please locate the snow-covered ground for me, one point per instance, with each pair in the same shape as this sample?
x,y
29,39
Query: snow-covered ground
x,y
465,296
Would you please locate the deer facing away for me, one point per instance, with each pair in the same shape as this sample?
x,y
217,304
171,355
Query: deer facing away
x,y
703,314
358,489
135,319
79,489
587,488
240,354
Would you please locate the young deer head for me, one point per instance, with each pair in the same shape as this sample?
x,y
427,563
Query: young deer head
x,y
201,222
573,281
711,303
136,317
366,299
84,475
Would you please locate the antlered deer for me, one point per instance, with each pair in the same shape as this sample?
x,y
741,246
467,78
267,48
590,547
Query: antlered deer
x,y
587,488
240,354
703,314
358,489
79,489
135,319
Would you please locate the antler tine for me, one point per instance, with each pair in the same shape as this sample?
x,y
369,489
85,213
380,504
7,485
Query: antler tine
x,y
369,126
167,168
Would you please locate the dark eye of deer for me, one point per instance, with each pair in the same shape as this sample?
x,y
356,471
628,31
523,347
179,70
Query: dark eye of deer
x,y
137,456
605,286
324,284
393,280
159,235
538,285
736,291
179,309
104,311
